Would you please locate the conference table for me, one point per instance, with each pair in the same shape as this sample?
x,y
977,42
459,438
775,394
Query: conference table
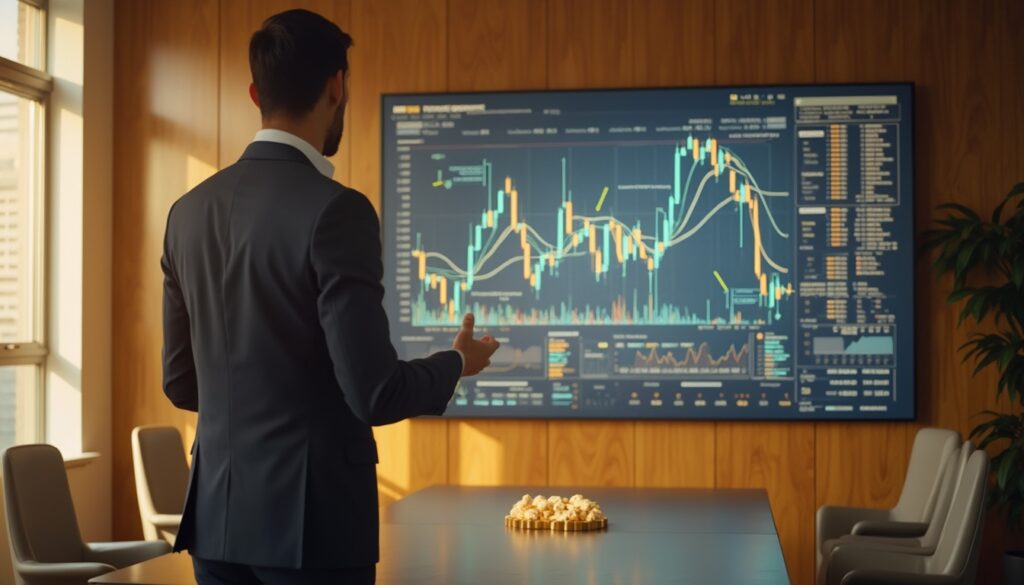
x,y
456,535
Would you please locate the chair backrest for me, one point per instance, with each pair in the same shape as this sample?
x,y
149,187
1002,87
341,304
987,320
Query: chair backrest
x,y
952,478
161,473
41,522
924,473
960,540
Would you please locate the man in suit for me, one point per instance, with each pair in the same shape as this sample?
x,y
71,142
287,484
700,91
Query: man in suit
x,y
274,332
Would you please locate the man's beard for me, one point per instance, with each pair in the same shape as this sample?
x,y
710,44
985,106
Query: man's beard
x,y
333,139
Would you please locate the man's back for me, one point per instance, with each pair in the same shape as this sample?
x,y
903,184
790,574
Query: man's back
x,y
273,292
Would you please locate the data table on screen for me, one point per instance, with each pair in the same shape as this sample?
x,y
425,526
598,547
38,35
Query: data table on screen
x,y
694,253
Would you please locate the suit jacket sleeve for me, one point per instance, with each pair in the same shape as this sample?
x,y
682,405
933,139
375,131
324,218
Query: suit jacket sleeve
x,y
378,387
180,383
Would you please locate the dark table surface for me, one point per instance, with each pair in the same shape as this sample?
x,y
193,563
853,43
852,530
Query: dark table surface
x,y
455,535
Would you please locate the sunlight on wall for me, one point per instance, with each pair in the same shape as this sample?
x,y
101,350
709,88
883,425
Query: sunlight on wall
x,y
484,453
394,473
189,437
64,365
196,171
68,54
67,227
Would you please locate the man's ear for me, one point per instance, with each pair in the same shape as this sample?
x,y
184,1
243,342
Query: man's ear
x,y
336,88
254,95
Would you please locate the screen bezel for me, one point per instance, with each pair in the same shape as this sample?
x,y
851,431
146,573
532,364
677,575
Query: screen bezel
x,y
909,85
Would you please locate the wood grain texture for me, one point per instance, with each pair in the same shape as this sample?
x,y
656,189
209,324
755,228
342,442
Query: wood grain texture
x,y
670,42
497,452
858,41
589,43
165,143
591,453
413,455
1009,15
675,454
400,47
239,117
951,52
764,42
671,48
860,464
778,457
761,42
496,44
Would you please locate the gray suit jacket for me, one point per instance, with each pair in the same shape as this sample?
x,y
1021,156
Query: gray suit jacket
x,y
274,331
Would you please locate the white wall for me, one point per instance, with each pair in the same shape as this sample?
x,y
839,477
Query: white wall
x,y
80,195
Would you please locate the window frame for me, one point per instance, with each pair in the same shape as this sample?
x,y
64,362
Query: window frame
x,y
36,85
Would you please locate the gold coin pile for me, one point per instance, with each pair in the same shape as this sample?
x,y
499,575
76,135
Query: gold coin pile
x,y
556,513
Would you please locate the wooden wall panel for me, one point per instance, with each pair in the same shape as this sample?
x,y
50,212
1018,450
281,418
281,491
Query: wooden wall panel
x,y
239,117
1008,16
778,457
764,42
670,42
675,454
400,47
594,453
859,464
951,54
761,42
590,45
858,42
497,452
670,47
496,44
500,44
165,142
413,455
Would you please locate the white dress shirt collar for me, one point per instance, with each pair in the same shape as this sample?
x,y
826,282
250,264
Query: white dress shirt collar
x,y
319,161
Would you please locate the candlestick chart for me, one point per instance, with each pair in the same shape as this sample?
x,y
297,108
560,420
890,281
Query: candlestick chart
x,y
581,257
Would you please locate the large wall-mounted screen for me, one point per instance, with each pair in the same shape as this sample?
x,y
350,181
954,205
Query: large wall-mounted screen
x,y
692,253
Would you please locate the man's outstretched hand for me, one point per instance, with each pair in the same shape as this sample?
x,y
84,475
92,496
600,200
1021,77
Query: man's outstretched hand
x,y
476,353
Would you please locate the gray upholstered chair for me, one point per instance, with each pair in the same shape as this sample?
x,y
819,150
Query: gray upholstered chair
x,y
161,480
46,545
925,544
910,516
955,560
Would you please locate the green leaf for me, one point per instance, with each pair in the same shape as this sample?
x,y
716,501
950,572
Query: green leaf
x,y
963,209
1005,465
998,211
958,294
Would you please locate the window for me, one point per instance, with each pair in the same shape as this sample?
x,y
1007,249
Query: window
x,y
24,91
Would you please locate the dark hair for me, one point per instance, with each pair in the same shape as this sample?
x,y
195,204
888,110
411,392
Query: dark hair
x,y
292,57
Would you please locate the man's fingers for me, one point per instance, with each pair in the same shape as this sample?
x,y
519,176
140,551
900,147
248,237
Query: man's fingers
x,y
465,333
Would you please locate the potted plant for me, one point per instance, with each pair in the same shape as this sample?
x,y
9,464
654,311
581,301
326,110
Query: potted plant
x,y
986,260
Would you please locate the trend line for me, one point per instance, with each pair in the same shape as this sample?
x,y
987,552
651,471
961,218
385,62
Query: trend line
x,y
600,201
605,241
720,281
